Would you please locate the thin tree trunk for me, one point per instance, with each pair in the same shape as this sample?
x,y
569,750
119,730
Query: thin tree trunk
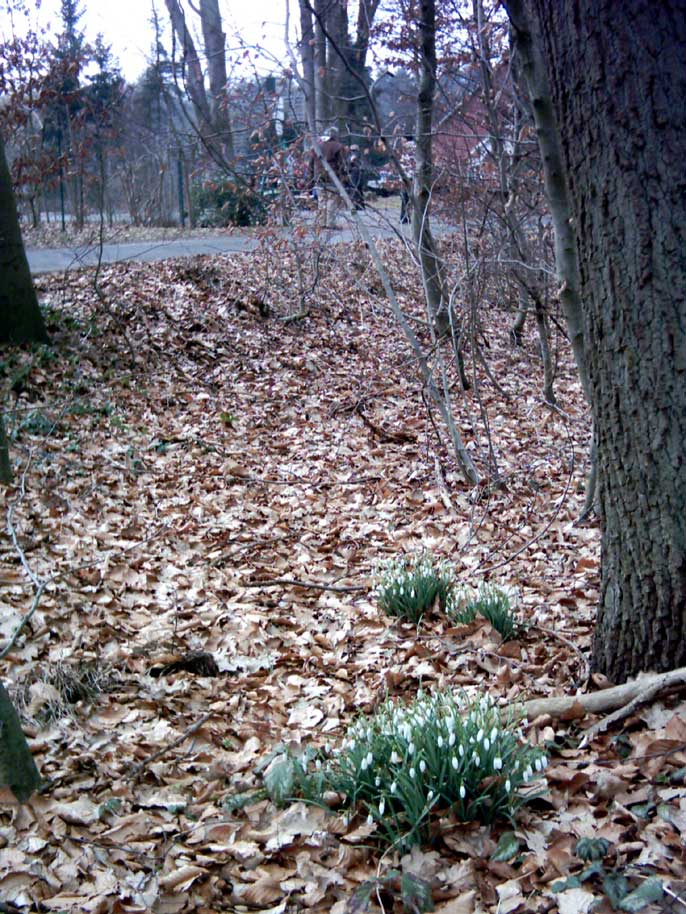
x,y
320,74
431,265
5,462
566,258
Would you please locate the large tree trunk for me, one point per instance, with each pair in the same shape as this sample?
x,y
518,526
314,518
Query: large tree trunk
x,y
20,317
321,88
337,45
17,768
216,138
366,11
215,52
307,58
618,87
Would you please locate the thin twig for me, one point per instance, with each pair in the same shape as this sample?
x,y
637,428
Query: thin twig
x,y
137,769
568,643
42,585
276,582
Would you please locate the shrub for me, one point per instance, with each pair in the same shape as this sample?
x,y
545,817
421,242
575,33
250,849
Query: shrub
x,y
409,587
492,602
409,763
228,203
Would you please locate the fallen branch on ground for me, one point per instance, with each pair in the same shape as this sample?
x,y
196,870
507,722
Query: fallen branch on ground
x,y
632,693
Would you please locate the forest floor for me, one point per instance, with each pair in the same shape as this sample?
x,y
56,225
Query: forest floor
x,y
200,436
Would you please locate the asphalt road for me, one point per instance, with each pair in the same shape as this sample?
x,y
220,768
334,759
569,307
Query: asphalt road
x,y
54,260
57,260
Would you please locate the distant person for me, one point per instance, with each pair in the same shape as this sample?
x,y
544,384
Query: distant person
x,y
334,153
356,177
405,150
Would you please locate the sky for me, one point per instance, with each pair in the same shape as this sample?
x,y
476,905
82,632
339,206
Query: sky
x,y
126,25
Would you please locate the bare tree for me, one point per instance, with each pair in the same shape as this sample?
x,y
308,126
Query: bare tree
x,y
211,110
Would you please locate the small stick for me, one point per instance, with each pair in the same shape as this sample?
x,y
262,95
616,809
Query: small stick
x,y
275,582
566,641
137,769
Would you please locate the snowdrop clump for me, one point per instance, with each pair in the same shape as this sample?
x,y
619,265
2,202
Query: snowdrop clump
x,y
494,602
408,587
409,764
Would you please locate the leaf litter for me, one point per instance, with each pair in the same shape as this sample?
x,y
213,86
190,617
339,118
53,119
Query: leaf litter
x,y
187,468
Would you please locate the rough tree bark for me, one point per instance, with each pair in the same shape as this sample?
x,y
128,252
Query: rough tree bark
x,y
618,90
20,318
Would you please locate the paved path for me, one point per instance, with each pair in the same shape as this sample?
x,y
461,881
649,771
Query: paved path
x,y
52,260
55,260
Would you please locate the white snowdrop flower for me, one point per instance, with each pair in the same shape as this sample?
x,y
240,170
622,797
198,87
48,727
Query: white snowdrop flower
x,y
413,773
394,787
412,593
410,749
364,764
479,736
395,758
402,590
539,764
439,742
370,819
515,767
463,792
451,740
382,806
370,758
477,759
377,782
527,773
318,764
430,795
327,748
508,785
422,766
487,744
497,764
544,762
460,749
455,763
494,734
